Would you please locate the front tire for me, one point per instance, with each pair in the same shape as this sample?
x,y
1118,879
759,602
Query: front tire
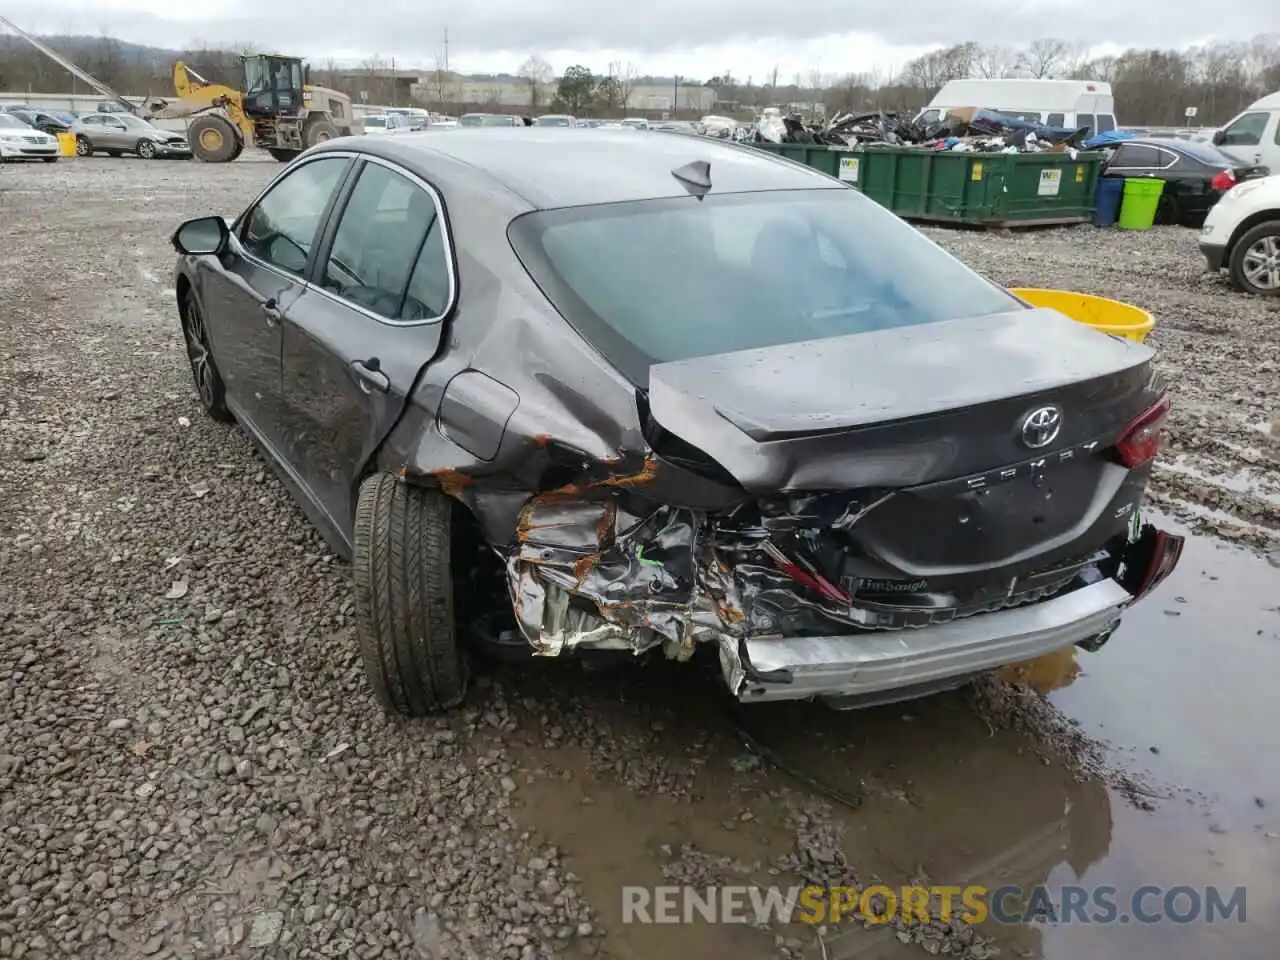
x,y
213,139
209,385
404,597
50,159
1255,260
283,156
83,147
146,150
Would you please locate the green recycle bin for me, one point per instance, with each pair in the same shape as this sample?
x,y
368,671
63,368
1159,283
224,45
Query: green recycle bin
x,y
1141,199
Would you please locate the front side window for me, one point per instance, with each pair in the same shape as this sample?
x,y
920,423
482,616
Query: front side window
x,y
389,226
1106,123
282,227
1057,119
1246,131
741,271
1086,120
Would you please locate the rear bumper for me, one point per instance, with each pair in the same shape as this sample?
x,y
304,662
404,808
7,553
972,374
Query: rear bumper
x,y
882,667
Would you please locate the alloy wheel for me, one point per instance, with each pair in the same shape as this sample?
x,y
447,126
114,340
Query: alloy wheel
x,y
198,352
1261,265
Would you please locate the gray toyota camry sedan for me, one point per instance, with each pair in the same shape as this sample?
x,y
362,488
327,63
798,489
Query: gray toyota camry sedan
x,y
558,392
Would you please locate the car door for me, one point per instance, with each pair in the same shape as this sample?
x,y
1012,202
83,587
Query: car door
x,y
1243,137
369,322
248,293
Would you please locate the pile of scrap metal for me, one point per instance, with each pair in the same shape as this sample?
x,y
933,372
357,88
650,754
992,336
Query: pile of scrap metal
x,y
965,129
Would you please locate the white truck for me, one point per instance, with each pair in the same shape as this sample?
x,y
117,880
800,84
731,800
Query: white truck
x,y
1253,137
1058,103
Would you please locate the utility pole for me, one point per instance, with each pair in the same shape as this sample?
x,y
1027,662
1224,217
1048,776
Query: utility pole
x,y
446,49
393,81
675,97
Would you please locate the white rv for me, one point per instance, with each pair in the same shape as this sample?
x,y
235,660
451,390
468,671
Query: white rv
x,y
1058,103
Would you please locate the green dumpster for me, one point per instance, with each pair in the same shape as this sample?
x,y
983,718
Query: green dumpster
x,y
945,186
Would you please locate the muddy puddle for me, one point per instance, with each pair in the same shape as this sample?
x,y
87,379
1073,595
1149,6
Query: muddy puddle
x,y
642,779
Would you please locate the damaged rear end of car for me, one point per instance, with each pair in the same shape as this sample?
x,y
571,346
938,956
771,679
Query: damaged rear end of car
x,y
831,454
860,516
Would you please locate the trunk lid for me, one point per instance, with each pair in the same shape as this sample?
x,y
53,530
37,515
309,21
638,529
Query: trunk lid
x,y
964,447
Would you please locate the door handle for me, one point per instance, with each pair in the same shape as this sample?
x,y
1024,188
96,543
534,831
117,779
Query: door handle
x,y
271,312
369,375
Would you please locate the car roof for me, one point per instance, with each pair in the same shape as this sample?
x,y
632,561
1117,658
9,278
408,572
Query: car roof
x,y
550,167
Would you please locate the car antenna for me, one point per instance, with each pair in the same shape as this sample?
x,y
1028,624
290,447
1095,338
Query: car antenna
x,y
694,177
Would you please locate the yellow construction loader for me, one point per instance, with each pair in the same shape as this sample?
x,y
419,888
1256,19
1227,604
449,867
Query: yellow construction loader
x,y
277,110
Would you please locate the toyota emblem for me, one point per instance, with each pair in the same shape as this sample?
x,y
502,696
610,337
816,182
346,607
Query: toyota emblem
x,y
1040,427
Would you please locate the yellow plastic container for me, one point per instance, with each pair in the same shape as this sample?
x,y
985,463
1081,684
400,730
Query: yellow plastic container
x,y
67,144
1109,316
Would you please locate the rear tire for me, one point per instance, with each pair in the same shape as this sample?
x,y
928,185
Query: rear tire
x,y
284,156
405,599
1246,252
318,131
213,139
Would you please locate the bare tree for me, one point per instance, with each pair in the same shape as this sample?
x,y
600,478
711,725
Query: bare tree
x,y
626,77
537,73
372,81
443,83
995,62
1044,57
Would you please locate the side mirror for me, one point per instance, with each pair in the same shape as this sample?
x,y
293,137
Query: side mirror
x,y
201,237
1219,137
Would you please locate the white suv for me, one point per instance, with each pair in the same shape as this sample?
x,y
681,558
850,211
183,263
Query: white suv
x,y
1242,233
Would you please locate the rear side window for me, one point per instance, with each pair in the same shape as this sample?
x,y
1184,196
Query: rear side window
x,y
1137,155
389,235
282,227
1056,119
1106,123
739,271
1086,120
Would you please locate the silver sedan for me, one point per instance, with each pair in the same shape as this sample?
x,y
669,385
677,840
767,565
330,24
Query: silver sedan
x,y
119,133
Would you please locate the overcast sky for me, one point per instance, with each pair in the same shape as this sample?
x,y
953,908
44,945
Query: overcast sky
x,y
661,37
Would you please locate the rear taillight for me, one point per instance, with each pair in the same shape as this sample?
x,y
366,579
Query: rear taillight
x,y
1140,440
1223,181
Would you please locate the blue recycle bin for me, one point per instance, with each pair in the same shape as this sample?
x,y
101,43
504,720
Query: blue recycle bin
x,y
1106,201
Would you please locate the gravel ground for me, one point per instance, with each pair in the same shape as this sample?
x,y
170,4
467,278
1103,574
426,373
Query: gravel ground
x,y
190,761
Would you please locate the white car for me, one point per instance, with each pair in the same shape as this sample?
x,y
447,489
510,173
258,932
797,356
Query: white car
x,y
636,123
382,124
1242,234
21,142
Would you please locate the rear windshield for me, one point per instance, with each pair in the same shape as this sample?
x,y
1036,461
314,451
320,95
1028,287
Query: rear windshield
x,y
1205,153
659,280
375,121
